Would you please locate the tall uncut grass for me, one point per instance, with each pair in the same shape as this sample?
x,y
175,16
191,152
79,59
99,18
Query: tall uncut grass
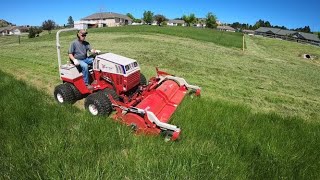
x,y
42,140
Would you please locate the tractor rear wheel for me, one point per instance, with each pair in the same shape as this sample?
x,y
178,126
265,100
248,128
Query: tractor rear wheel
x,y
76,92
64,95
98,104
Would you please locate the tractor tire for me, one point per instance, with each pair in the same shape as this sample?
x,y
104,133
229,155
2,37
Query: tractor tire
x,y
98,104
112,92
64,95
143,80
76,92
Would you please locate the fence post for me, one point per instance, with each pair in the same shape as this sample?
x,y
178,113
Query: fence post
x,y
19,38
243,42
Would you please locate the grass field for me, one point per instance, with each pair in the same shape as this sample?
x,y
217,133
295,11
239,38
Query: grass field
x,y
256,119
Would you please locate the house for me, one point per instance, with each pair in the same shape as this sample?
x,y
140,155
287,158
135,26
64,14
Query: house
x,y
176,23
267,31
13,30
138,23
249,32
108,19
226,28
154,23
201,23
307,38
288,35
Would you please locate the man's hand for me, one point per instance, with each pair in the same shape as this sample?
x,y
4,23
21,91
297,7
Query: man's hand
x,y
97,51
76,62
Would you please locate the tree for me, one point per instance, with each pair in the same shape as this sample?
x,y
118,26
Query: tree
x,y
70,21
48,25
148,17
131,16
319,35
189,19
4,23
267,24
137,20
304,29
211,21
34,31
236,25
159,18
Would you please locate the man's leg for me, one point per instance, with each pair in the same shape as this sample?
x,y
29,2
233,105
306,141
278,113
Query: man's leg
x,y
84,64
85,72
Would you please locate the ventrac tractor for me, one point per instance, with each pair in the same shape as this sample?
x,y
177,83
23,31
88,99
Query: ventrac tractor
x,y
118,85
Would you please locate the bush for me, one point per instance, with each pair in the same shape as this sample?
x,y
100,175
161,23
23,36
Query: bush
x,y
34,32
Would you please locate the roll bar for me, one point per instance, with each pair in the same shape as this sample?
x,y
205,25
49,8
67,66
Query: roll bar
x,y
58,43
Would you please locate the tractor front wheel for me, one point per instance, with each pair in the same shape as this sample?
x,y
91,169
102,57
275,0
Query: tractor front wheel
x,y
143,80
98,104
112,92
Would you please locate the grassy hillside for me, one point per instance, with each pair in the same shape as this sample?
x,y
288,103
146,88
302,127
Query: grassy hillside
x,y
42,140
258,116
270,76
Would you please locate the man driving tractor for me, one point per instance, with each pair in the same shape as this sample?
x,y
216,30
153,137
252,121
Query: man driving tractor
x,y
78,53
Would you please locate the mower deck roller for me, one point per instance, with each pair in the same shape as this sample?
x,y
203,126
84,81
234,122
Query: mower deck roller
x,y
164,100
159,101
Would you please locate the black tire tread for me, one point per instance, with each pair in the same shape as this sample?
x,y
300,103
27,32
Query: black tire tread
x,y
100,101
143,80
112,92
66,92
76,92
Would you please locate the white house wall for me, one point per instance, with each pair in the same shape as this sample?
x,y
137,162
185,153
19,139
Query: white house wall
x,y
108,22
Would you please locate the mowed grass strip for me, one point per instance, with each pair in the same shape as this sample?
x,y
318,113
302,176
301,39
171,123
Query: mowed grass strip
x,y
42,140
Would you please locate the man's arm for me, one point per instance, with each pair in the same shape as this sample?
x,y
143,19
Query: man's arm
x,y
75,61
71,57
95,51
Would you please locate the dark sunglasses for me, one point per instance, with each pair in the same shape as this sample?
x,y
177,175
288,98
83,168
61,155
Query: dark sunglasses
x,y
83,35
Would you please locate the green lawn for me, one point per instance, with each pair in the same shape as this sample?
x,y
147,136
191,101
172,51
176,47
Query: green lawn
x,y
257,117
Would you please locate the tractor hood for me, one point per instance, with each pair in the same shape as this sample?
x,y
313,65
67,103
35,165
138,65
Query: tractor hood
x,y
114,63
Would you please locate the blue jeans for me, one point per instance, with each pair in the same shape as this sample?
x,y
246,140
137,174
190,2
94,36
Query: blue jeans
x,y
84,65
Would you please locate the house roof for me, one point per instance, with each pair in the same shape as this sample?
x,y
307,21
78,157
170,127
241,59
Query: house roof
x,y
176,21
226,28
308,36
247,31
267,30
106,15
9,28
285,32
2,29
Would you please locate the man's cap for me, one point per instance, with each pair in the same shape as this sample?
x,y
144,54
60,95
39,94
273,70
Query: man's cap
x,y
82,31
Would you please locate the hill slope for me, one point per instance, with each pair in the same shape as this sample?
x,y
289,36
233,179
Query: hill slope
x,y
4,23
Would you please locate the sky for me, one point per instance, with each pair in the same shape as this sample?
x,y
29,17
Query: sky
x,y
289,13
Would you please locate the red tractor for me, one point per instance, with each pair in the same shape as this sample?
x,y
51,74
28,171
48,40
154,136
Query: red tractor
x,y
119,85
